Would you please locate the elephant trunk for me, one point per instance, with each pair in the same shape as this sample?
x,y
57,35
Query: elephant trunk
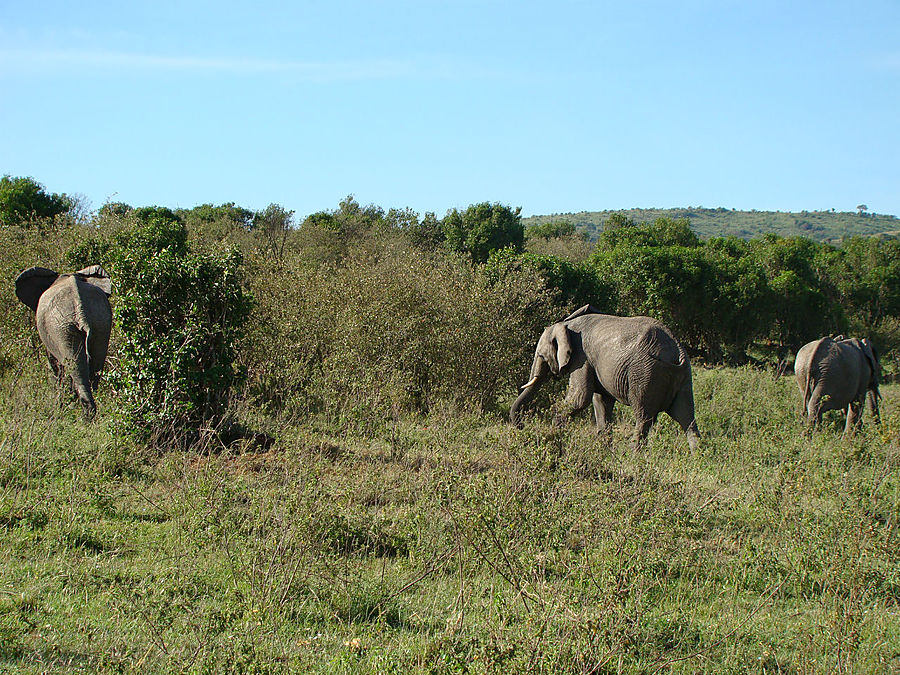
x,y
539,372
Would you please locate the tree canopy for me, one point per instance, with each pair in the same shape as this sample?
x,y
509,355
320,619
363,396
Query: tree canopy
x,y
23,201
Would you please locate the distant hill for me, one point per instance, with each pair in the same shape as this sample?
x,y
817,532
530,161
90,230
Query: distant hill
x,y
827,226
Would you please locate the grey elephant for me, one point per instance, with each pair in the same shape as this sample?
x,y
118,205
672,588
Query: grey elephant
x,y
837,373
74,319
633,360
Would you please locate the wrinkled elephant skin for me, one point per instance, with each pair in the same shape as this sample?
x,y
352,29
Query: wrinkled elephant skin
x,y
633,360
838,374
74,320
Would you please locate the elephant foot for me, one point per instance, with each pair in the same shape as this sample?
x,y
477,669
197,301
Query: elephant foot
x,y
89,409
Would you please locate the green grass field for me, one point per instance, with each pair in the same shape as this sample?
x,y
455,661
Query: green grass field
x,y
453,544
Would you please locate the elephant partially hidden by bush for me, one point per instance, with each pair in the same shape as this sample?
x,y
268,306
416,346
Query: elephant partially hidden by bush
x,y
634,360
74,320
838,374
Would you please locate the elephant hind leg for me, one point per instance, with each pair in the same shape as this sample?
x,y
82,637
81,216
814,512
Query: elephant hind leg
x,y
603,410
81,381
815,408
854,418
682,411
642,428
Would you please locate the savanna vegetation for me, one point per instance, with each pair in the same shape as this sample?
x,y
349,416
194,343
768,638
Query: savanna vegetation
x,y
301,463
823,226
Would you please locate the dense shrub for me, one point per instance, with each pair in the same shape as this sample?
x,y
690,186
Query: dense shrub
x,y
483,228
180,315
391,328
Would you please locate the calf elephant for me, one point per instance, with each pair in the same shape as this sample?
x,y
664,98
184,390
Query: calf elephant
x,y
838,374
634,360
73,319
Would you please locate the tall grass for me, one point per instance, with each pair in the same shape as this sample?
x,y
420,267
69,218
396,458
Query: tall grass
x,y
449,543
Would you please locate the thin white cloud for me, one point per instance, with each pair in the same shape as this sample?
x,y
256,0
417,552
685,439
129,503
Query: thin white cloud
x,y
55,60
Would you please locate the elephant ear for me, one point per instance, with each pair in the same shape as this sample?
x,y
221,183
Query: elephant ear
x,y
32,283
581,311
563,346
96,276
868,350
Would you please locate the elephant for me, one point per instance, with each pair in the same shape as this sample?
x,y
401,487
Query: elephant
x,y
837,373
633,360
74,319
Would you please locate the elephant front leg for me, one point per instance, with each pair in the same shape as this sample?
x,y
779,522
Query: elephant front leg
x,y
580,391
603,411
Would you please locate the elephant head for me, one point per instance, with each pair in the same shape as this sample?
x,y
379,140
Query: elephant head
x,y
871,354
74,320
555,355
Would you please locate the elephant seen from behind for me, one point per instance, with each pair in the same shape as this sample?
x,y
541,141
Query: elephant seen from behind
x,y
633,360
74,320
837,373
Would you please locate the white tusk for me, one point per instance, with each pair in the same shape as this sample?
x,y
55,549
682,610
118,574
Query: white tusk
x,y
529,383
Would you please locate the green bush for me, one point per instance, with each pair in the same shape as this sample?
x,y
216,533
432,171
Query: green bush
x,y
391,328
180,316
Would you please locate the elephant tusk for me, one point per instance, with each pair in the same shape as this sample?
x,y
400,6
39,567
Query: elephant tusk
x,y
529,383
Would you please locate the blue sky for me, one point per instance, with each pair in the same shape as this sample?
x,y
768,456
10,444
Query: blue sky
x,y
552,106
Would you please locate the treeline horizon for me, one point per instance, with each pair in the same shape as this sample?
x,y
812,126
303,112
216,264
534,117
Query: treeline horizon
x,y
730,300
826,225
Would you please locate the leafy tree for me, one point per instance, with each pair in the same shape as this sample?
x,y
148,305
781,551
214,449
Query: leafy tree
x,y
661,232
572,284
675,284
211,226
483,228
114,210
273,224
550,230
327,236
867,274
800,292
180,315
230,213
426,234
24,200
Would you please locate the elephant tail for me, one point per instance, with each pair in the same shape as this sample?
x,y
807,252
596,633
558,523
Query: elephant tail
x,y
80,373
81,378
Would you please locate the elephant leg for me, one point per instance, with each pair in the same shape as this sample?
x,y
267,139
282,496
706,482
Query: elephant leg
x,y
642,428
58,380
603,411
97,346
81,381
814,410
682,411
854,418
872,405
56,370
580,391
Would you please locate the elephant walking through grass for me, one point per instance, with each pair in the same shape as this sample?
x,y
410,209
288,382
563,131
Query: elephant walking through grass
x,y
633,360
838,374
74,319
